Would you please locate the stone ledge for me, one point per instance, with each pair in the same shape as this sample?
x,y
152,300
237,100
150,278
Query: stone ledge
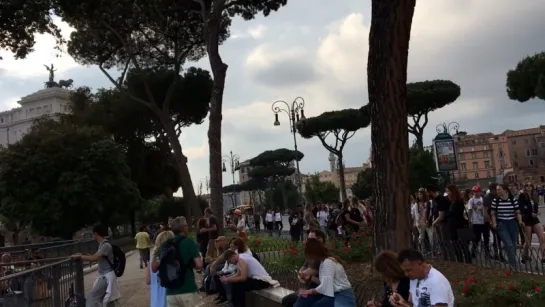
x,y
274,294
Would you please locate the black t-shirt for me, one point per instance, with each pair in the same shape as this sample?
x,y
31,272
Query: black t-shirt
x,y
355,215
442,204
403,289
213,220
315,212
456,215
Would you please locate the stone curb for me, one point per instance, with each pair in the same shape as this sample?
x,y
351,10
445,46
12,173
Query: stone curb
x,y
94,267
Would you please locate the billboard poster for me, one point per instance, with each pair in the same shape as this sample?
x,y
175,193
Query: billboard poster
x,y
445,155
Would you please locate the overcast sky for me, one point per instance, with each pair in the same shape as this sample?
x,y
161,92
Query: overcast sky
x,y
317,49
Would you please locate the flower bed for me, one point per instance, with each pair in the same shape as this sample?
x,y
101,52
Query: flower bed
x,y
472,285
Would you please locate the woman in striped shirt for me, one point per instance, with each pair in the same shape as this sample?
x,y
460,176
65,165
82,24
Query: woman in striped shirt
x,y
506,219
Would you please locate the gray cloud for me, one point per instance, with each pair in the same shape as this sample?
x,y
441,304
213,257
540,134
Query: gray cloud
x,y
288,73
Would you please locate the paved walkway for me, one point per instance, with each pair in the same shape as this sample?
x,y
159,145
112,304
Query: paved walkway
x,y
134,291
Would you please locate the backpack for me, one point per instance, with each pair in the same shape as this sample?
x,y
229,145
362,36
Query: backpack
x,y
118,266
172,268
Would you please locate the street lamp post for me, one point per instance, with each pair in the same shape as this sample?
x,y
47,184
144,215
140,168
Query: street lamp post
x,y
234,162
295,113
444,148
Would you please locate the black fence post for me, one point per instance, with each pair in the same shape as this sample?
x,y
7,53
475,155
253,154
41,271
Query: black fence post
x,y
79,290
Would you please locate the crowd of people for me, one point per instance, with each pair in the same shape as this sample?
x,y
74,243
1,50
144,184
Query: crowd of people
x,y
460,223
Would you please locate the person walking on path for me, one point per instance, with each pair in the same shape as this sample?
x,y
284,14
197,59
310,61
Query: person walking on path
x,y
143,243
105,291
182,253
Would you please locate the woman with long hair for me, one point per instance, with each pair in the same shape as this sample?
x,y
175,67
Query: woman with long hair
x,y
395,281
334,288
158,296
310,219
529,204
419,210
506,218
456,220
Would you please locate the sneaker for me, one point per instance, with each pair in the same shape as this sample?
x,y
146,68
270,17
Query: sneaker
x,y
218,299
222,302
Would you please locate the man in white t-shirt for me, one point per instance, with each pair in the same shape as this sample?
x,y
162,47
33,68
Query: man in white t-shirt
x,y
429,288
478,218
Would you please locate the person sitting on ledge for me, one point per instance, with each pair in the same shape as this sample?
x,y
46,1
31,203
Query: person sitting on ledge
x,y
334,288
308,274
251,276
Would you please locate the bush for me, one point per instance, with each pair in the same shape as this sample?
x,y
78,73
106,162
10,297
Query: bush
x,y
358,249
507,292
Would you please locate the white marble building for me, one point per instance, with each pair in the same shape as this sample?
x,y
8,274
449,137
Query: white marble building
x,y
15,123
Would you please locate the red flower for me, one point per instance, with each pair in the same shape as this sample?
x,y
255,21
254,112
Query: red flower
x,y
455,282
345,249
511,287
501,287
508,273
285,251
537,289
465,289
369,246
291,246
471,281
473,272
257,240
294,252
357,242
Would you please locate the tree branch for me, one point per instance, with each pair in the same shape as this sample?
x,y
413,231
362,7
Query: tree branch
x,y
153,104
343,140
328,147
120,88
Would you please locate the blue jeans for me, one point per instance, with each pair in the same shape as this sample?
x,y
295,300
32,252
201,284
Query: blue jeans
x,y
314,301
508,231
345,298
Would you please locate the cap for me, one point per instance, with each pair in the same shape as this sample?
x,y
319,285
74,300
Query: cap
x,y
476,189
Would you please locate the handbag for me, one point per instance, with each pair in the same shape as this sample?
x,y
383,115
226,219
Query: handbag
x,y
466,233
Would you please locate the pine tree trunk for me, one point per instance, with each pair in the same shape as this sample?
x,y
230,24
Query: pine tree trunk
x,y
342,182
183,173
219,71
387,84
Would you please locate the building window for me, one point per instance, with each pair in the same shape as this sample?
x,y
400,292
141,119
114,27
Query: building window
x,y
461,150
476,175
527,152
472,148
515,164
486,164
461,157
534,152
463,166
531,162
485,147
514,142
475,165
486,154
473,155
501,154
488,174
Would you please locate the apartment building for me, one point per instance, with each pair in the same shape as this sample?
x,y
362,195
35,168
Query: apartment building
x,y
527,153
481,157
